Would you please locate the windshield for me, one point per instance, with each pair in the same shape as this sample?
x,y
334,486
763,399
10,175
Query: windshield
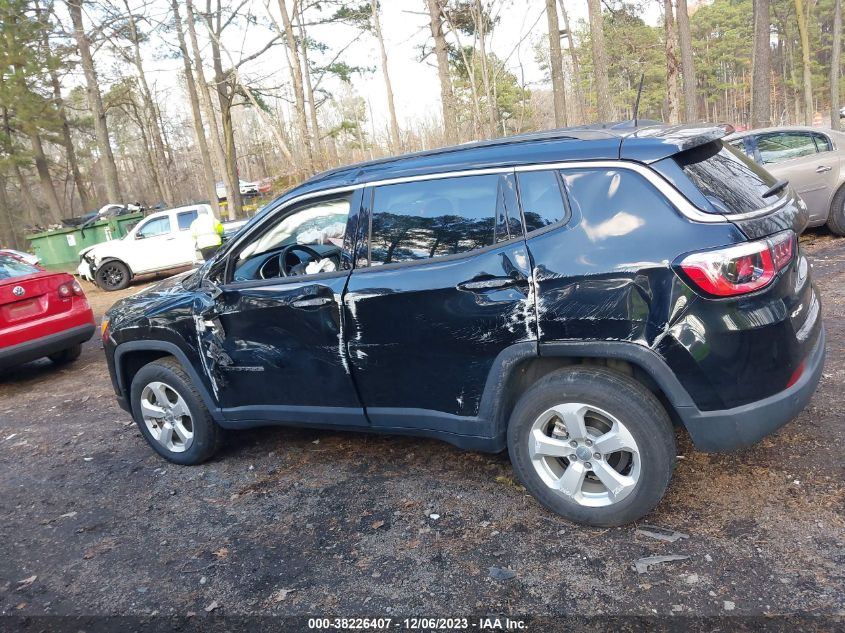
x,y
13,267
729,180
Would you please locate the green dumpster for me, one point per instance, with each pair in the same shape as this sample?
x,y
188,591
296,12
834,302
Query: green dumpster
x,y
59,249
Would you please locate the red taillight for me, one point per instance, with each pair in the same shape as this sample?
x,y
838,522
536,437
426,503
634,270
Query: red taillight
x,y
77,289
742,268
799,371
65,291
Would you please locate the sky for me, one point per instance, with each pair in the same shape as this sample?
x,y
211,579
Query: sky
x,y
522,23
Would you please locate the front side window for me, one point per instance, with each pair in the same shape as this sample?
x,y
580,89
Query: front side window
x,y
158,226
308,240
823,143
730,181
781,146
542,202
433,218
185,218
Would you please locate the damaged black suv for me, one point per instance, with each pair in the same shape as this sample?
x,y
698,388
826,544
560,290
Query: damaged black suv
x,y
567,295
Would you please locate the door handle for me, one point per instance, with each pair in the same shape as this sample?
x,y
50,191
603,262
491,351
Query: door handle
x,y
311,302
492,283
822,168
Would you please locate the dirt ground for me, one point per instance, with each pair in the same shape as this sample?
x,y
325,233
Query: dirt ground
x,y
288,521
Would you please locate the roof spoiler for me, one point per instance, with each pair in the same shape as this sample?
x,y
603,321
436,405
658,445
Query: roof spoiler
x,y
650,144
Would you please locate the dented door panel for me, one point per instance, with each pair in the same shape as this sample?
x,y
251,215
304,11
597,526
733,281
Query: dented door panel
x,y
424,336
280,345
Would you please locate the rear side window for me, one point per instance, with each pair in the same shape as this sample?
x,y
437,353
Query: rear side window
x,y
542,201
433,218
13,267
776,148
730,181
612,202
185,218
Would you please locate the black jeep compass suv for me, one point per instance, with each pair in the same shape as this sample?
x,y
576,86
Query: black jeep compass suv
x,y
566,295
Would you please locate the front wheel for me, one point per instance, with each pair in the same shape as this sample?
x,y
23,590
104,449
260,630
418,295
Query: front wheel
x,y
836,219
113,275
592,445
171,415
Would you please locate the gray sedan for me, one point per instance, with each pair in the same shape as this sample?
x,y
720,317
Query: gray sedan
x,y
811,159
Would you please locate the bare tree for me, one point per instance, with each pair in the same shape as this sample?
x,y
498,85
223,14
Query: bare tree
x,y
395,138
805,62
687,64
161,163
95,102
576,66
556,64
672,96
605,105
447,96
193,97
295,64
205,99
44,178
761,108
836,66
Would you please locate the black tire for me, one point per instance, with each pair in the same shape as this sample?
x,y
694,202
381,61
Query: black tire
x,y
207,435
66,355
836,219
113,275
622,397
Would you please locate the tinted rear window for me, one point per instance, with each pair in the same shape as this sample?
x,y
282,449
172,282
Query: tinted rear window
x,y
12,267
729,180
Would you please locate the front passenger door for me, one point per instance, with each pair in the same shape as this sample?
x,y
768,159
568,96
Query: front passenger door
x,y
273,339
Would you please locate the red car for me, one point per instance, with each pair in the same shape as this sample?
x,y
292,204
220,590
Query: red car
x,y
42,313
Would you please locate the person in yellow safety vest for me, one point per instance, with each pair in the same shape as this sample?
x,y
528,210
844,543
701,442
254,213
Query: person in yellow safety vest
x,y
207,232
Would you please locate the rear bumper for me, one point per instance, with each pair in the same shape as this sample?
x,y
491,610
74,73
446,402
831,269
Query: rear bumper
x,y
44,346
731,429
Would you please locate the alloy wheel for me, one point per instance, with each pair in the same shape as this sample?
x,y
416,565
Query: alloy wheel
x,y
584,453
167,417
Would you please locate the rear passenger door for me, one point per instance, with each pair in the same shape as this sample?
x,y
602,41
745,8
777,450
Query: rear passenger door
x,y
441,290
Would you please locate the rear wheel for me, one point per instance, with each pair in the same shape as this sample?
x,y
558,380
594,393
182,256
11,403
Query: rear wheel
x,y
836,219
171,415
66,355
113,275
592,445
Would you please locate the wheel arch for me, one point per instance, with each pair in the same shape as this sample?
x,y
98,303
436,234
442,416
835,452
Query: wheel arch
x,y
131,356
522,367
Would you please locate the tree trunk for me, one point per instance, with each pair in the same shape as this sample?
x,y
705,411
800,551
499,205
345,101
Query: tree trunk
x,y
193,97
316,145
447,97
95,102
295,64
605,105
395,138
29,204
835,66
687,64
556,64
9,234
205,98
761,106
44,177
672,95
576,66
805,62
489,87
225,90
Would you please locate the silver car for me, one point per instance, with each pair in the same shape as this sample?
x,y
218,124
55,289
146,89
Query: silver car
x,y
811,159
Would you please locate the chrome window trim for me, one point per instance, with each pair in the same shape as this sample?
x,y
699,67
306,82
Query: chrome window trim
x,y
684,206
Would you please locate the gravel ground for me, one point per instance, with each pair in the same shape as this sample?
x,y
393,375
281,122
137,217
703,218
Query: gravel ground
x,y
289,521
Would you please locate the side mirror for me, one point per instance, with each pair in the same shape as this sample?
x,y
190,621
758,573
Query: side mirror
x,y
211,288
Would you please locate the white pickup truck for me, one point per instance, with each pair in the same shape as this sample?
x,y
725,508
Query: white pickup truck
x,y
161,241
